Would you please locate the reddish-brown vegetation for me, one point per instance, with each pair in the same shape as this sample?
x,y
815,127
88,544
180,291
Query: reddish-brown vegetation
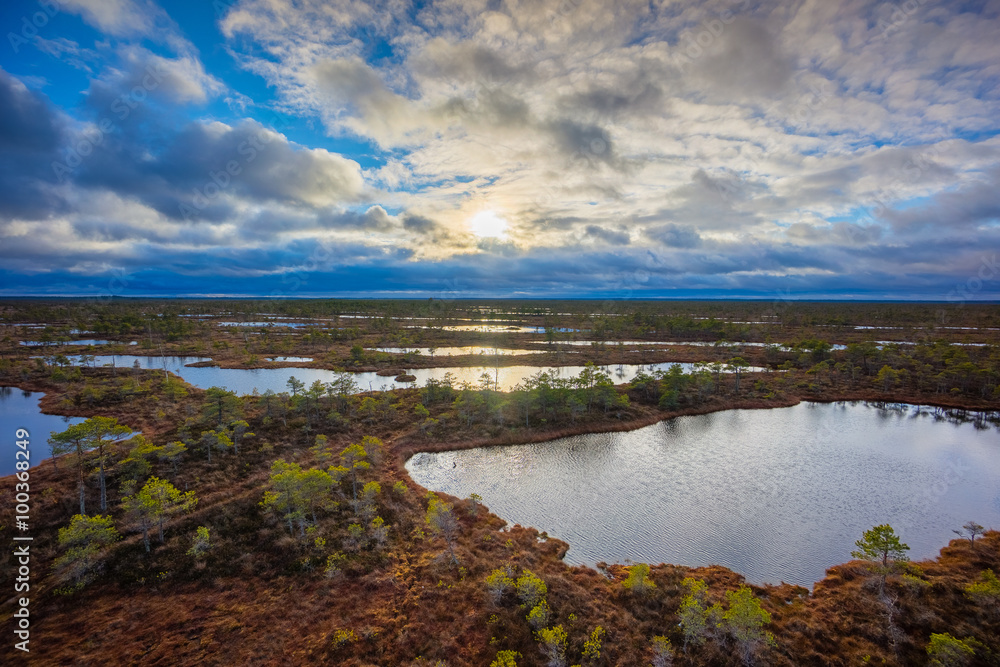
x,y
261,595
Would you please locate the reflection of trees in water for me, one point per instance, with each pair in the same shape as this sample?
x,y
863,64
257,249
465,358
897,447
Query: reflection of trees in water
x,y
980,419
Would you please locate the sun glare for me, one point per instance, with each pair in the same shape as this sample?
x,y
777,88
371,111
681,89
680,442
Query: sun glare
x,y
487,224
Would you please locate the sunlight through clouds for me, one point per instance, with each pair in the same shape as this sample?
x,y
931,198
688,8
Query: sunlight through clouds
x,y
488,224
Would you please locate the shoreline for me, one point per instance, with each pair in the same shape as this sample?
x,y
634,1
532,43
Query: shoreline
x,y
407,444
403,447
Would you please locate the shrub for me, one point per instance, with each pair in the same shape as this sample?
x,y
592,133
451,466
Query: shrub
x,y
947,651
84,540
530,589
538,617
638,580
506,659
498,582
201,543
553,645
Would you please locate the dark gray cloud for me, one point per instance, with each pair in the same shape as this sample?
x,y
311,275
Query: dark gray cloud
x,y
494,108
606,235
31,132
468,62
28,123
205,167
744,60
582,143
419,224
965,208
675,236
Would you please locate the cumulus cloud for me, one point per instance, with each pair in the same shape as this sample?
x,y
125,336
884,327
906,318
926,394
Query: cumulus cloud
x,y
209,170
141,76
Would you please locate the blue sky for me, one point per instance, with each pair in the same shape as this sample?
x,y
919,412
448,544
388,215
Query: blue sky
x,y
467,148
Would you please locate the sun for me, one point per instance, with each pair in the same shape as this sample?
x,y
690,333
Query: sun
x,y
487,224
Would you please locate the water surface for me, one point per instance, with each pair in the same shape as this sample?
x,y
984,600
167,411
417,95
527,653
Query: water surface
x,y
458,351
245,381
776,495
19,409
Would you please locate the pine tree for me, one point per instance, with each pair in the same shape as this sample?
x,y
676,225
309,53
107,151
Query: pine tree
x,y
882,548
155,503
83,541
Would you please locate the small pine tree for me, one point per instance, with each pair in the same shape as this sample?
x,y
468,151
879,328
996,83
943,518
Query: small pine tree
x,y
986,591
475,500
663,652
882,548
638,580
970,531
745,621
694,613
947,651
553,643
83,541
334,565
379,531
172,453
154,503
530,589
441,519
592,646
352,458
498,582
506,659
201,544
321,450
538,617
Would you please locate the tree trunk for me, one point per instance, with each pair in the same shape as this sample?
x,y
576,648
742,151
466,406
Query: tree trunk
x,y
104,488
145,535
80,483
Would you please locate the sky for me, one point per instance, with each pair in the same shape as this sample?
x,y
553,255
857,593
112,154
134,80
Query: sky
x,y
501,148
